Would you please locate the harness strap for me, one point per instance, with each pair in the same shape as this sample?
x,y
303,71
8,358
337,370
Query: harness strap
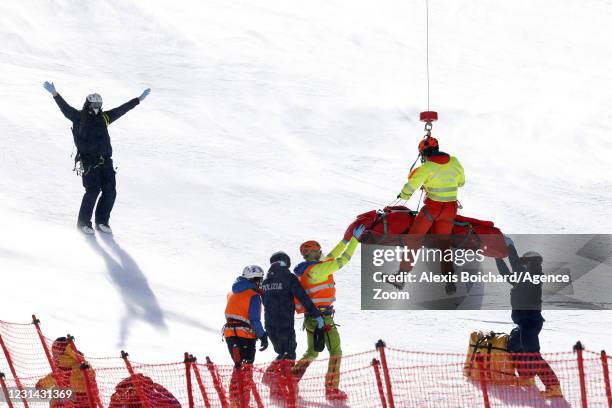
x,y
427,214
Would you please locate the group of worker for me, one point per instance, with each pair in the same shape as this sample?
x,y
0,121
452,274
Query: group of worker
x,y
309,289
311,286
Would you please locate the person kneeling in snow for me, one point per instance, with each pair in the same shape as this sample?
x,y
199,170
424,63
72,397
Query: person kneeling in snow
x,y
526,301
68,375
94,151
242,329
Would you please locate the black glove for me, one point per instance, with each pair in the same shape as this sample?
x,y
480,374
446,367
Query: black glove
x,y
264,342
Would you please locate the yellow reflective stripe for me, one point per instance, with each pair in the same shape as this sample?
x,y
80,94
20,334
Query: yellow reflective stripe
x,y
441,189
321,287
438,197
408,189
237,317
106,119
321,300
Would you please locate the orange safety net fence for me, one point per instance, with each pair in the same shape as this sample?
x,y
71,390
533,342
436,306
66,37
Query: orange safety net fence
x,y
382,377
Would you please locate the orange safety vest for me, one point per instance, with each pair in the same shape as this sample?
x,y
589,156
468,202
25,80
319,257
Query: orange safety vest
x,y
237,315
321,293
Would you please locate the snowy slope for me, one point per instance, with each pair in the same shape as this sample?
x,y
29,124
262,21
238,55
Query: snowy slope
x,y
274,122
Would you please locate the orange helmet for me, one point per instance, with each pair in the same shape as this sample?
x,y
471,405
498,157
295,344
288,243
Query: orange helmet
x,y
428,144
308,247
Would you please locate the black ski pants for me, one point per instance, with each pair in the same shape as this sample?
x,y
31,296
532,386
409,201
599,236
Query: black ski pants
x,y
98,177
283,341
246,348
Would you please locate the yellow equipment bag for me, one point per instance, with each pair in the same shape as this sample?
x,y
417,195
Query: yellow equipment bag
x,y
492,349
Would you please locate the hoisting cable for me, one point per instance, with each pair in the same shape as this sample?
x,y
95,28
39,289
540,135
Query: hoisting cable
x,y
427,47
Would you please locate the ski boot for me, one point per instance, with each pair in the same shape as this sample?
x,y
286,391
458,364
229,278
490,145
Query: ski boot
x,y
397,285
335,394
105,228
85,229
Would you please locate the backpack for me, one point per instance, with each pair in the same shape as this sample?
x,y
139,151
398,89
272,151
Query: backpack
x,y
76,134
491,350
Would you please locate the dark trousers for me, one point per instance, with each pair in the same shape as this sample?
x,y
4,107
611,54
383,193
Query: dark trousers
x,y
246,348
97,178
278,374
525,339
283,341
241,381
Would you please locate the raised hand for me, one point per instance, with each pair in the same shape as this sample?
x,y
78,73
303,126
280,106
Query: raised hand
x,y
50,87
358,231
144,94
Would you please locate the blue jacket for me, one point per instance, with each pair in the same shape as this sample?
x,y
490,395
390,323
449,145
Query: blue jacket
x,y
280,288
240,285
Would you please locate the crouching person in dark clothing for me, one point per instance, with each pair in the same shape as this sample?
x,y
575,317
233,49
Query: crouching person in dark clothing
x,y
280,289
94,152
526,301
242,329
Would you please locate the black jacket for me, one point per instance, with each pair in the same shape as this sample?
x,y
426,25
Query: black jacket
x,y
279,289
91,132
525,297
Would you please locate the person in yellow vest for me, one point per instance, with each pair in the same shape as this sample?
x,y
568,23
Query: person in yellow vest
x,y
242,329
316,275
68,376
440,176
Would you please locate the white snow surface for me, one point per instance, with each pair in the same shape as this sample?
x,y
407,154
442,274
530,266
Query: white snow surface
x,y
273,122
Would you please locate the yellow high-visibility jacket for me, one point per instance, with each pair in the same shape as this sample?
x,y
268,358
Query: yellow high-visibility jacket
x,y
319,271
441,176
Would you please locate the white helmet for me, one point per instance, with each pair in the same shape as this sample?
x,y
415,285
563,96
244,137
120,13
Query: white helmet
x,y
252,272
94,101
94,98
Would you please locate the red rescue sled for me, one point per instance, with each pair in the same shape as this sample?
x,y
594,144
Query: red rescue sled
x,y
383,227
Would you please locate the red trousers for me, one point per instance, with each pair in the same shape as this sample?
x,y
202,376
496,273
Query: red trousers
x,y
436,218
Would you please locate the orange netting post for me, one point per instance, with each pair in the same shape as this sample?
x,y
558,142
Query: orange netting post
x,y
7,397
9,360
217,382
137,384
36,324
247,373
606,376
483,380
188,360
239,378
380,346
198,377
578,348
379,384
92,391
288,383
